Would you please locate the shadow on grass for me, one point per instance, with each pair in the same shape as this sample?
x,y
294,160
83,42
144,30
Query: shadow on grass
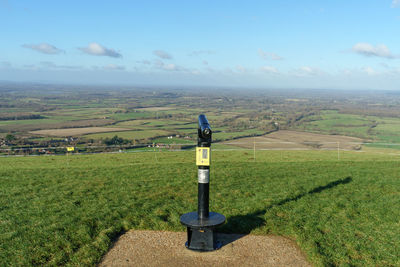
x,y
244,224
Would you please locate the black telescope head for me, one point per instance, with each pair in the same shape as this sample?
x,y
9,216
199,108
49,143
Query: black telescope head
x,y
204,130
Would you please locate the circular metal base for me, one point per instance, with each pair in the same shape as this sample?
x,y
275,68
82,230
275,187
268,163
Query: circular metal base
x,y
218,245
192,220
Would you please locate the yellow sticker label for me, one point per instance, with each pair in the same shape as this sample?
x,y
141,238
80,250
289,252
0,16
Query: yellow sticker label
x,y
70,148
203,156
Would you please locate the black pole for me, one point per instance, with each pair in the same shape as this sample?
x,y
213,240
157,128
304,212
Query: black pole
x,y
204,140
201,224
203,196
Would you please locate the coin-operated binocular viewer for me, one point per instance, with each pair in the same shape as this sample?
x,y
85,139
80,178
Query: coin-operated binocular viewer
x,y
201,224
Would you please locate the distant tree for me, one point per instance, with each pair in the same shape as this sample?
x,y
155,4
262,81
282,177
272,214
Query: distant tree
x,y
115,141
10,137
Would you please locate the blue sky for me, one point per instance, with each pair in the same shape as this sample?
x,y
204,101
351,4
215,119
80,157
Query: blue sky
x,y
260,44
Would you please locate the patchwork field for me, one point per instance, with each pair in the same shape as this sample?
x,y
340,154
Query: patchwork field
x,y
30,125
153,123
129,134
77,131
297,140
156,108
378,129
221,134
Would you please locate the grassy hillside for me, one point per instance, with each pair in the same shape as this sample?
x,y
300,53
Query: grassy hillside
x,y
65,210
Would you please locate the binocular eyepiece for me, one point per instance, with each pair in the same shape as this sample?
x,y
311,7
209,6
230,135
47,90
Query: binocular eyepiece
x,y
204,127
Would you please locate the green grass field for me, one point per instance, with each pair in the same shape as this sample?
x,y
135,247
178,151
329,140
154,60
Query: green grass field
x,y
230,135
153,123
174,140
330,121
377,129
129,134
67,210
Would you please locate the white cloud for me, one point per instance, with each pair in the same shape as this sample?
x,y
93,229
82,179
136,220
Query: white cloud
x,y
370,71
113,67
201,52
52,65
266,55
346,72
369,50
269,69
195,72
395,3
162,54
96,49
241,69
171,67
144,62
44,48
307,71
159,64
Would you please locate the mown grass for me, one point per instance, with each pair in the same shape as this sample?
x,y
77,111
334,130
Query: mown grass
x,y
67,210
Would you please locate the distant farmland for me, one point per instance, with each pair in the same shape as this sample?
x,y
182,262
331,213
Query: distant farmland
x,y
156,108
297,140
77,131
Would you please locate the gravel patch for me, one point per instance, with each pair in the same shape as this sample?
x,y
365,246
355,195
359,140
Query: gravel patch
x,y
157,248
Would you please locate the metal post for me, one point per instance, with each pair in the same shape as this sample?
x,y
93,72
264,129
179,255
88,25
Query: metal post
x,y
201,224
203,193
203,171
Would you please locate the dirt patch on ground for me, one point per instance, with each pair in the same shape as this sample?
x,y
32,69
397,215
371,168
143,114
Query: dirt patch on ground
x,y
298,140
77,131
155,248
